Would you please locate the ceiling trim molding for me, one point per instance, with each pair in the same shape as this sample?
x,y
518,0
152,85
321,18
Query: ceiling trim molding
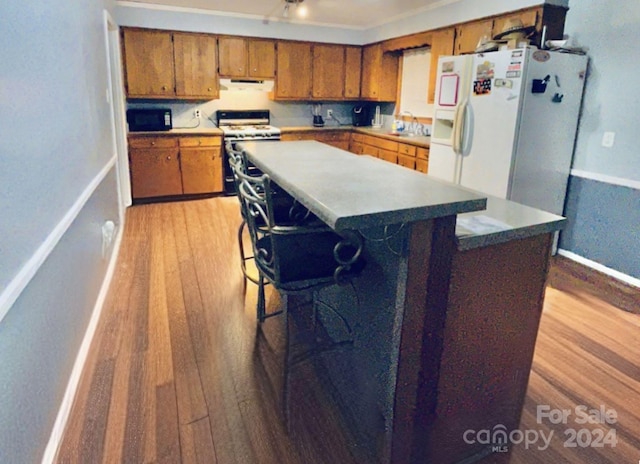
x,y
262,18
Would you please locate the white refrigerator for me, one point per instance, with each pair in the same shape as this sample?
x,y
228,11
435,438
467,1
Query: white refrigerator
x,y
505,123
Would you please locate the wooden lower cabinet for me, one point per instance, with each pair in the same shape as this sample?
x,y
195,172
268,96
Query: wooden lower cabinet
x,y
201,164
164,166
422,159
405,154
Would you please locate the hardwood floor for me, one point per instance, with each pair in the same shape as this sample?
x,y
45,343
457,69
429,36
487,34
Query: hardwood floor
x,y
179,371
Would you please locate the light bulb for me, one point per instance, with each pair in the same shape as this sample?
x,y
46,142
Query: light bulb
x,y
302,11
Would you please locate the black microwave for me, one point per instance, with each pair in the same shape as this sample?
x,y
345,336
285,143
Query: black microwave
x,y
140,120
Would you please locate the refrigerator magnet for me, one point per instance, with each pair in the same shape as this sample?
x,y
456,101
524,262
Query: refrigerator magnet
x,y
482,87
485,70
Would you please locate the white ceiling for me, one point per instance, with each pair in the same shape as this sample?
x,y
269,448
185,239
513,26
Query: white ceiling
x,y
359,14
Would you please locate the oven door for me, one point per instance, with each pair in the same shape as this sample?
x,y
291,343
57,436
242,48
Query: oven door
x,y
229,185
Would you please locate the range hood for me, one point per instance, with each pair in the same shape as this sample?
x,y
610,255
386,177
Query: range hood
x,y
245,84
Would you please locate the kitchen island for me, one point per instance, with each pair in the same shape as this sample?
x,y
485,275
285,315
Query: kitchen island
x,y
445,314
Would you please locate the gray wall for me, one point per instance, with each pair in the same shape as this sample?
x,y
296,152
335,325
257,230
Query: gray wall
x,y
56,138
603,216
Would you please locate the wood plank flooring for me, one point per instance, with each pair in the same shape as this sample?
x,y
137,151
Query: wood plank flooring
x,y
179,371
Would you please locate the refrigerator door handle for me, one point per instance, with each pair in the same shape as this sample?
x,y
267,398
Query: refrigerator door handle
x,y
467,129
457,129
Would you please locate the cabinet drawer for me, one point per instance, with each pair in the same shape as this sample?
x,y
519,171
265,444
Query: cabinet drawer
x,y
387,144
200,141
405,149
153,142
357,137
422,153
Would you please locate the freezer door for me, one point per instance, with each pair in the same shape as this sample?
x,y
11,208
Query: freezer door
x,y
452,86
495,96
548,128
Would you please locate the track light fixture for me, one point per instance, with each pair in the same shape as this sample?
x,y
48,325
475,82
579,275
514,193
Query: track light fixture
x,y
301,10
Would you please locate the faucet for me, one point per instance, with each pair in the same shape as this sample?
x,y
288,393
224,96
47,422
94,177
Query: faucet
x,y
415,128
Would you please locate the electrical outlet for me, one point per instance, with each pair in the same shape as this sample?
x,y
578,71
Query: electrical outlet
x,y
196,114
329,113
608,138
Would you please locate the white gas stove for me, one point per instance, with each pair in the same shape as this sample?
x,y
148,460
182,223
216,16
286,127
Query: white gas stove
x,y
246,125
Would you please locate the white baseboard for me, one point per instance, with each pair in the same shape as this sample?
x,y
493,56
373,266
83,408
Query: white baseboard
x,y
60,424
601,268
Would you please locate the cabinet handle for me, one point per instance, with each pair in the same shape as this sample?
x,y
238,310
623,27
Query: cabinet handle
x,y
164,87
153,143
168,158
209,89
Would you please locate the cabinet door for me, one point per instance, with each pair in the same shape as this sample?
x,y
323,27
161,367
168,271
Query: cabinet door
x,y
353,72
328,72
356,147
262,58
442,45
379,74
293,78
148,60
196,64
387,155
422,165
407,161
201,170
468,35
233,57
155,172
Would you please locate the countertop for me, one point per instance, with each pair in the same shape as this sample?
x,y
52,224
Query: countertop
x,y
348,191
418,140
351,191
503,221
174,132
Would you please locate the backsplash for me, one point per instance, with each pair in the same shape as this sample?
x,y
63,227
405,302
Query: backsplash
x,y
283,114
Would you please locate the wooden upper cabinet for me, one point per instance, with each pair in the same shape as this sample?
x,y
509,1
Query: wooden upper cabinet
x,y
328,71
233,57
353,72
294,71
262,58
148,57
442,42
468,35
379,74
528,18
247,58
196,66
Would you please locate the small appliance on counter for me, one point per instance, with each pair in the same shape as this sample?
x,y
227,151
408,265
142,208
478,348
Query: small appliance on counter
x,y
360,116
149,119
317,115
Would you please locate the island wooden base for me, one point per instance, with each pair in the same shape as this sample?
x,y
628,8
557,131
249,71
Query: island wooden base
x,y
475,358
